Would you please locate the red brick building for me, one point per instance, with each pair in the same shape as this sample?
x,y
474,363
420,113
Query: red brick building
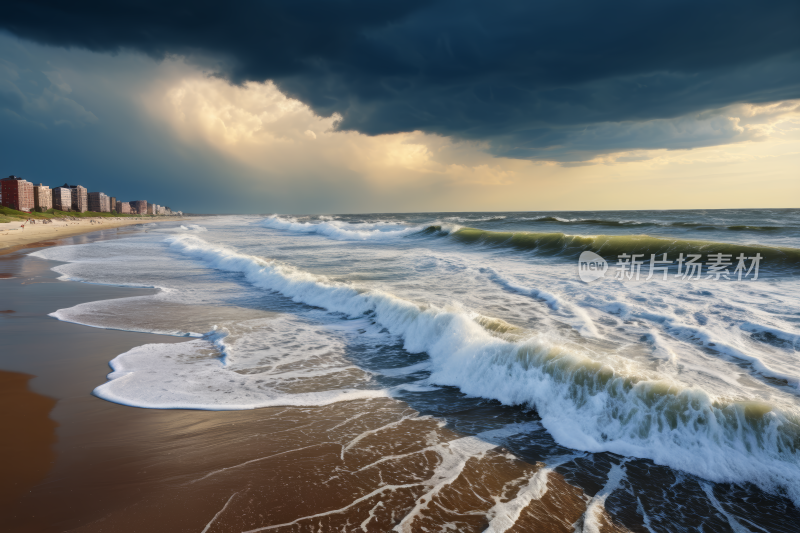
x,y
17,193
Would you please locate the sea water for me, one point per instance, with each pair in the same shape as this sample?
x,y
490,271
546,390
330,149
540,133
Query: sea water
x,y
676,400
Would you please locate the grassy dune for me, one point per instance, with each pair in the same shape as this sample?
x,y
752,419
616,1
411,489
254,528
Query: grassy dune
x,y
12,215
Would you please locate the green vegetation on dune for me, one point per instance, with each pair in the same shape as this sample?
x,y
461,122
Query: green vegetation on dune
x,y
12,215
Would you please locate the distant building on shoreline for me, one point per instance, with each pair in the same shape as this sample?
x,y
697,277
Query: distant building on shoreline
x,y
42,197
80,198
17,193
98,202
139,207
62,198
22,195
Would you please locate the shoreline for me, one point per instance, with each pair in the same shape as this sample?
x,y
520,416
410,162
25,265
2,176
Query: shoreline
x,y
121,468
12,238
371,465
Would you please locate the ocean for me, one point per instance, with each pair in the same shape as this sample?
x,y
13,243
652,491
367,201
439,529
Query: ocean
x,y
663,400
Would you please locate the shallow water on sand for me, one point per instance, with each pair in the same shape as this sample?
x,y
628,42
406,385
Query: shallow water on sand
x,y
467,378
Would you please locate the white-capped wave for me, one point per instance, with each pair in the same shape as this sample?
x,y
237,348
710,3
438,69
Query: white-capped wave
x,y
340,230
792,339
583,403
193,227
493,218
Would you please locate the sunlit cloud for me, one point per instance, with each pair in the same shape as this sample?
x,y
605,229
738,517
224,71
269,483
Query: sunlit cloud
x,y
258,125
174,126
262,127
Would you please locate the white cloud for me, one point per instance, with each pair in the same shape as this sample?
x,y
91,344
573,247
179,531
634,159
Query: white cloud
x,y
257,124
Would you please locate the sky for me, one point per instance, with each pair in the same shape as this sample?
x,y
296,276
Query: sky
x,y
358,107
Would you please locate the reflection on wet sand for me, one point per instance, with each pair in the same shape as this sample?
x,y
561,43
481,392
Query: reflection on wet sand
x,y
28,432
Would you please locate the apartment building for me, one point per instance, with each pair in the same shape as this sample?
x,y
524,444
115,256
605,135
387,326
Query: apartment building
x,y
17,193
80,198
42,197
99,202
139,207
62,198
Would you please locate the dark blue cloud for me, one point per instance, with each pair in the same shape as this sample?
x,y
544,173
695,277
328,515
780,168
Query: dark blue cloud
x,y
528,77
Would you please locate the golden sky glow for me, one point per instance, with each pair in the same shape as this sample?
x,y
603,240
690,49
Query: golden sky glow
x,y
258,126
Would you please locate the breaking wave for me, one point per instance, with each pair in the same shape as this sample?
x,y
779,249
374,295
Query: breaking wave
x,y
596,222
584,404
636,223
495,218
611,246
193,227
339,230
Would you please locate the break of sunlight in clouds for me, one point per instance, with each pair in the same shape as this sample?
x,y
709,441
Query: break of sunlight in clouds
x,y
259,126
731,127
276,154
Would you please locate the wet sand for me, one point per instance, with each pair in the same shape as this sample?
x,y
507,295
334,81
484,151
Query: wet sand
x,y
29,434
368,465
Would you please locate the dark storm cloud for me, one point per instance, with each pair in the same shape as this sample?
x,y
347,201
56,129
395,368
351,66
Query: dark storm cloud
x,y
531,78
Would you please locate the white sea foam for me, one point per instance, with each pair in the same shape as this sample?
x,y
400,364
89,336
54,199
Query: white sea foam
x,y
728,345
583,403
734,524
412,369
193,227
494,218
591,520
577,317
504,514
340,230
791,338
454,456
257,364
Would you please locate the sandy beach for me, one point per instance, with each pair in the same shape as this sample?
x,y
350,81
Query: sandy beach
x,y
14,235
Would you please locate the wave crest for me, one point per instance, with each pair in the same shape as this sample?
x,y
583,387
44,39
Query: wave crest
x,y
339,230
611,246
585,404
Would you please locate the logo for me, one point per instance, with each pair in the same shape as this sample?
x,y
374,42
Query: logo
x,y
591,266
